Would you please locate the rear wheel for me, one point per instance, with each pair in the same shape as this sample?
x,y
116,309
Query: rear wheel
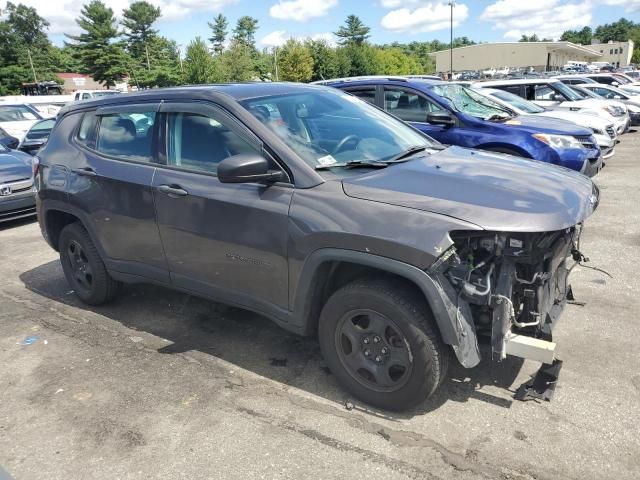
x,y
379,341
84,268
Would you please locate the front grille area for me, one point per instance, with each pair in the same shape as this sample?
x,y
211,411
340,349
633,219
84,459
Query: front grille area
x,y
611,131
586,141
19,186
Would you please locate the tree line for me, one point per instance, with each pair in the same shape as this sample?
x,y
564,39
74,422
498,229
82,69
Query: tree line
x,y
110,50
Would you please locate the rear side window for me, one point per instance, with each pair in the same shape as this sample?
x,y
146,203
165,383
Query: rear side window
x,y
515,89
87,131
126,135
408,106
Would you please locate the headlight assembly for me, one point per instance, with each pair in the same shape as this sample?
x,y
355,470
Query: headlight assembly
x,y
558,141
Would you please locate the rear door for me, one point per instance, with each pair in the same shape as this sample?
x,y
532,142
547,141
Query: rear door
x,y
222,240
110,181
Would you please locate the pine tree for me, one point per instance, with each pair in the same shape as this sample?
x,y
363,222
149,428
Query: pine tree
x,y
218,33
353,32
198,64
100,52
138,22
245,31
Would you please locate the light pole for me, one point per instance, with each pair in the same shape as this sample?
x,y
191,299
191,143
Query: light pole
x,y
451,4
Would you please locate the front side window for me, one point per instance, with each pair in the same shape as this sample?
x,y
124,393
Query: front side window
x,y
40,130
329,126
17,113
199,142
408,106
467,101
126,135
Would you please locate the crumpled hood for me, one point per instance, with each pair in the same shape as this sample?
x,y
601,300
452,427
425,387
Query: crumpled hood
x,y
538,124
494,191
14,166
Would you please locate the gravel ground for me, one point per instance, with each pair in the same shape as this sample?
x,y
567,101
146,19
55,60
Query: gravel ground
x,y
164,385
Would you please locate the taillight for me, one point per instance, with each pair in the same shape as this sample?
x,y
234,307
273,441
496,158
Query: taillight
x,y
35,166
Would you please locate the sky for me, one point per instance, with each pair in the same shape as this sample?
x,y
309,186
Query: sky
x,y
390,20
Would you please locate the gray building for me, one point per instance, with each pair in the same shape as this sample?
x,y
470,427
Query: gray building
x,y
539,55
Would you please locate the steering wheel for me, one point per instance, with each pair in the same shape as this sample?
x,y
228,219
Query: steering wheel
x,y
345,141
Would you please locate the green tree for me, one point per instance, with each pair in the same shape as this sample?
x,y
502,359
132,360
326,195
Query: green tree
x,y
619,31
353,32
138,21
218,33
23,43
325,61
393,61
533,38
101,54
295,62
238,63
363,59
198,64
245,31
165,65
583,37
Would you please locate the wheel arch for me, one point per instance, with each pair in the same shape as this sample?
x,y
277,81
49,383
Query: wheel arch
x,y
326,270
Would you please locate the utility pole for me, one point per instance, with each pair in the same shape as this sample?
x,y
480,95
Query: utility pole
x,y
146,51
275,58
451,4
180,58
33,70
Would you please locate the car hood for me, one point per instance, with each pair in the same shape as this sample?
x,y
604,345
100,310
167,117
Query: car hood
x,y
579,118
14,166
494,191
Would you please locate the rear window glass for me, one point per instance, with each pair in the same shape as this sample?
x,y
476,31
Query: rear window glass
x,y
126,135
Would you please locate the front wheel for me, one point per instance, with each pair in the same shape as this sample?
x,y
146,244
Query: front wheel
x,y
84,268
379,340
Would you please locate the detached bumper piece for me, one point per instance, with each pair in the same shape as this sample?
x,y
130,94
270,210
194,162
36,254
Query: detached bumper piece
x,y
543,385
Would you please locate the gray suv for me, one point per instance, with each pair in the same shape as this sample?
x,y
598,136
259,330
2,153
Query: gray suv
x,y
323,213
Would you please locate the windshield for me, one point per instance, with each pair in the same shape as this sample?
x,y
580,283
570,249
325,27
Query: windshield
x,y
467,101
566,91
622,78
517,102
17,113
583,92
327,127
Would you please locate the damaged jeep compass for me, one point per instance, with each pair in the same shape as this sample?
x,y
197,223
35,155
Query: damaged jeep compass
x,y
323,213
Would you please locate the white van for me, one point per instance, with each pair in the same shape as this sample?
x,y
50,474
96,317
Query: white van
x,y
89,94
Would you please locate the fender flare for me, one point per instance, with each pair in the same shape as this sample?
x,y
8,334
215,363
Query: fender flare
x,y
452,317
507,146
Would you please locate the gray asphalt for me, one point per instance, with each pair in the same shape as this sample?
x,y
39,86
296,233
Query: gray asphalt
x,y
164,385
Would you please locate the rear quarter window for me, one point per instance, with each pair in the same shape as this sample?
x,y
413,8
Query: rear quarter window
x,y
87,131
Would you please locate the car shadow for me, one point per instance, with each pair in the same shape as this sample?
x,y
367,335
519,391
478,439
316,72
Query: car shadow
x,y
254,343
18,222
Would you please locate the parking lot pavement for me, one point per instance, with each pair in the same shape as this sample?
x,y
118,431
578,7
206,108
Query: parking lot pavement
x,y
164,385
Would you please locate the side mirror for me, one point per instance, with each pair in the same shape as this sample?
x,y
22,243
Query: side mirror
x,y
617,97
557,98
441,117
247,168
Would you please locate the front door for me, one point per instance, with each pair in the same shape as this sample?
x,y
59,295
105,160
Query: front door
x,y
225,241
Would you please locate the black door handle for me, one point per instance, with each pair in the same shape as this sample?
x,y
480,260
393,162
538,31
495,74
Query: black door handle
x,y
173,190
87,171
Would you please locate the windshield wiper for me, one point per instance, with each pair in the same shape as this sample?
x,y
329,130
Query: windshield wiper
x,y
354,163
406,153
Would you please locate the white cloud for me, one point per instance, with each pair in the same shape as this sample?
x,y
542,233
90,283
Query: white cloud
x,y
62,14
429,17
278,38
629,5
301,10
546,18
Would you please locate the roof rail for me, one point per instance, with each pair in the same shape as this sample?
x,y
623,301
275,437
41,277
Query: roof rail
x,y
358,78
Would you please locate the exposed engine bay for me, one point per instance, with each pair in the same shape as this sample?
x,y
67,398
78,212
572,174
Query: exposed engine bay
x,y
510,283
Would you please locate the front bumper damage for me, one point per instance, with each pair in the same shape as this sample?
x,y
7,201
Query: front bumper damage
x,y
511,288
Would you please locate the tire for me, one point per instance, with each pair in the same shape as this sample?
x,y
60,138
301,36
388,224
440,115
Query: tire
x,y
349,324
83,267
